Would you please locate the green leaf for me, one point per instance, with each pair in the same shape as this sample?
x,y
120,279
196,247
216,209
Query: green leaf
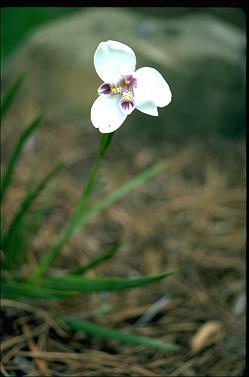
x,y
83,215
12,252
10,94
77,213
96,262
16,153
34,220
68,285
114,334
15,289
122,191
99,284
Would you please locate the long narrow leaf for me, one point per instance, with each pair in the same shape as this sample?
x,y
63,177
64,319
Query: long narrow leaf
x,y
10,94
33,222
16,152
11,253
59,287
84,216
79,210
123,190
99,284
96,262
14,290
114,334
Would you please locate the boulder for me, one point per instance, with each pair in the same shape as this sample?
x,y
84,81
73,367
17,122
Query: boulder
x,y
201,57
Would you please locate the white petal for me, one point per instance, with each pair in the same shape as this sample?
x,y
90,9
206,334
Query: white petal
x,y
148,108
106,114
113,59
151,86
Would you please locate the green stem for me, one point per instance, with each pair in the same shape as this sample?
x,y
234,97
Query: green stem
x,y
78,212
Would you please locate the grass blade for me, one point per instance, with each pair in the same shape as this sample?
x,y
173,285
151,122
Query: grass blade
x,y
35,219
10,94
78,212
11,253
114,334
84,216
123,190
16,289
96,262
99,284
16,152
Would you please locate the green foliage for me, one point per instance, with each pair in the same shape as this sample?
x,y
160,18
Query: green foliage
x,y
10,94
17,289
106,333
122,190
96,262
67,285
16,153
99,284
81,215
8,243
77,213
16,236
17,22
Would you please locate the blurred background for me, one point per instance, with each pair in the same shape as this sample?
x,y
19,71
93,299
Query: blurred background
x,y
190,217
200,51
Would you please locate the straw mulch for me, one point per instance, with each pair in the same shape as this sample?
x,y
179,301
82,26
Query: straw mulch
x,y
191,218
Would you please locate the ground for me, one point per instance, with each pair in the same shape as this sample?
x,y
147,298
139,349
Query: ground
x,y
190,217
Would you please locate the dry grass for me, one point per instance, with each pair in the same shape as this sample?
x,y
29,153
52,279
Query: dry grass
x,y
191,217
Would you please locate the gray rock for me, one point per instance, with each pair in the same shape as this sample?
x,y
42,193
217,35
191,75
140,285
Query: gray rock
x,y
201,57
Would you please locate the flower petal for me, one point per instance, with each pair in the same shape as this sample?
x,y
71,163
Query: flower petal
x,y
106,113
151,86
113,59
148,108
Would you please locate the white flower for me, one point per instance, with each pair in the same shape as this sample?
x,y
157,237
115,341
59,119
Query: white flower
x,y
124,89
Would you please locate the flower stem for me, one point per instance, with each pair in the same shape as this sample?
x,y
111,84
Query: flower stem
x,y
78,212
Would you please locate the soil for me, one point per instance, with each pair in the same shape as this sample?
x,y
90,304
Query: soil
x,y
190,217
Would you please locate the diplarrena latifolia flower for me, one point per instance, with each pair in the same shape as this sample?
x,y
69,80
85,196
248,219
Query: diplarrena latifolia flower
x,y
124,89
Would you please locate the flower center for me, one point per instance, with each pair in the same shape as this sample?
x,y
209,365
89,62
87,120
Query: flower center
x,y
124,87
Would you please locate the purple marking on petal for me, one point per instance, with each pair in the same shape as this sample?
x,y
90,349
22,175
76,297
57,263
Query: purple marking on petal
x,y
130,80
127,107
105,89
128,77
134,82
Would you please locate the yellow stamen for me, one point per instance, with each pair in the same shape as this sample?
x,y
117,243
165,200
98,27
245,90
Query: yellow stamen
x,y
127,96
116,88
